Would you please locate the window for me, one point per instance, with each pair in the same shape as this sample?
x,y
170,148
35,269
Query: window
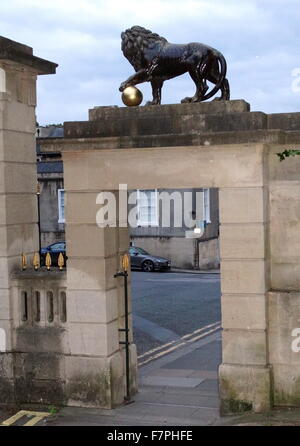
x,y
206,205
147,207
61,205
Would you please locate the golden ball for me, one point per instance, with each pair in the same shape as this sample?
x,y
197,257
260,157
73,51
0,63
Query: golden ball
x,y
132,96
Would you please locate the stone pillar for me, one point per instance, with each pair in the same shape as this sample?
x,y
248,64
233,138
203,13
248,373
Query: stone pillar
x,y
95,367
18,179
244,373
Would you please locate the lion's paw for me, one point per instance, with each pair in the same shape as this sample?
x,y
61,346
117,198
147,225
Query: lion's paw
x,y
186,100
149,103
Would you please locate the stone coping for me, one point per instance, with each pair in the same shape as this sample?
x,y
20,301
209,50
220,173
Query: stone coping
x,y
208,139
42,273
115,112
23,54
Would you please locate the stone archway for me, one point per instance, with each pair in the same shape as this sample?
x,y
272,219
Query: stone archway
x,y
93,165
212,145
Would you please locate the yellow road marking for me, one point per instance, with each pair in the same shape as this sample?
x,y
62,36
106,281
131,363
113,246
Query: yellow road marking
x,y
34,421
13,419
199,330
183,338
173,347
38,416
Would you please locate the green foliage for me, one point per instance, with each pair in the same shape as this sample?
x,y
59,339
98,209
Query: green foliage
x,y
53,410
286,153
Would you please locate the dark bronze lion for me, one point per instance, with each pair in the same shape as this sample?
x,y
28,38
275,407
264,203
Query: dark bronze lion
x,y
156,60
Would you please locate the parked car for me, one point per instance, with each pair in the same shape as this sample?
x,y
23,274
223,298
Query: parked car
x,y
141,259
55,249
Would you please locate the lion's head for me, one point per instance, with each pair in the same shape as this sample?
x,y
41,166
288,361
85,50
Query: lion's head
x,y
135,41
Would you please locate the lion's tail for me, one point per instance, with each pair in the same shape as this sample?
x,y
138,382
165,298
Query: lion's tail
x,y
218,85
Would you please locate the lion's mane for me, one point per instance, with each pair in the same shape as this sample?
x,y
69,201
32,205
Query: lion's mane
x,y
135,41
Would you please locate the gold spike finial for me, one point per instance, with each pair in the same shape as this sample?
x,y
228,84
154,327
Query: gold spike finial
x,y
24,262
125,262
36,261
61,261
48,261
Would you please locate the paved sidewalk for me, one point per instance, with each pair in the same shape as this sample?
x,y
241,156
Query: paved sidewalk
x,y
194,271
180,388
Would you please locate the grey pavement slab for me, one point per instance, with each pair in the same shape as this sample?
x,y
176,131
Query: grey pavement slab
x,y
172,373
205,358
170,381
194,271
205,374
196,400
210,385
185,373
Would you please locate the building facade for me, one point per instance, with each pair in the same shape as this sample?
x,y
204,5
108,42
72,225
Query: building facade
x,y
51,186
179,243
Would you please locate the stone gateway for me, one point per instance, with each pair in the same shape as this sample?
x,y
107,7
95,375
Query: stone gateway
x,y
75,357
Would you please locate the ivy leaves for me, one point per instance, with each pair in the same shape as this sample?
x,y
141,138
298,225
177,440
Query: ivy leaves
x,y
287,153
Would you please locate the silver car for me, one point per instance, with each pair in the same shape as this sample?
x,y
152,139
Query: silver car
x,y
141,259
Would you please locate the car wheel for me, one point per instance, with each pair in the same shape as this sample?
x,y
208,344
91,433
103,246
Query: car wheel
x,y
148,266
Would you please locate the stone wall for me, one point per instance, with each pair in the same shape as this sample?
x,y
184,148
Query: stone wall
x,y
40,341
180,250
284,248
183,252
209,254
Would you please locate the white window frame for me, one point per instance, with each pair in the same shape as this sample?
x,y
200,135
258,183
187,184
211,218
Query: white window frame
x,y
155,221
61,212
206,205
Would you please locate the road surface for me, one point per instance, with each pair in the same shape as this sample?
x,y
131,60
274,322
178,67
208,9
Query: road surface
x,y
168,306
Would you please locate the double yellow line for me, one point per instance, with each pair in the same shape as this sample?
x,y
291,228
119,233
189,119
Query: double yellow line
x,y
37,417
162,350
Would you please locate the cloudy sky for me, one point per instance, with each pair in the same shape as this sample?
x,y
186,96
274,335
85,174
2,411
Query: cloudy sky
x,y
259,38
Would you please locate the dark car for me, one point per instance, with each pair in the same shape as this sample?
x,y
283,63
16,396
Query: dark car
x,y
141,259
55,249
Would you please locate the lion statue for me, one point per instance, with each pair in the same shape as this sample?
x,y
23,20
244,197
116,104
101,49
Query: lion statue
x,y
155,60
